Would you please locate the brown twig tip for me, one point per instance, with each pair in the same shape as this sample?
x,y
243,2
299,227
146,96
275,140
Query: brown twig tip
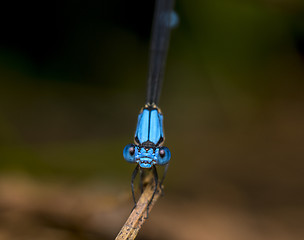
x,y
139,214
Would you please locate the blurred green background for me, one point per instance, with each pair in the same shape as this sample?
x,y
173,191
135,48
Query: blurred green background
x,y
73,79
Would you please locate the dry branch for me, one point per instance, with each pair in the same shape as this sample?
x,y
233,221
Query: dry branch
x,y
139,214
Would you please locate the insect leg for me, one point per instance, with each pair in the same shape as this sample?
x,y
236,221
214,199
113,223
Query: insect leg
x,y
132,183
155,188
141,184
163,178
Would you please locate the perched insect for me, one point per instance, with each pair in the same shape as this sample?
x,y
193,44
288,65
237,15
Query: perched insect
x,y
149,137
147,152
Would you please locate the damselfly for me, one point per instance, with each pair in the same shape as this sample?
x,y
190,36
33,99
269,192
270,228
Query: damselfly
x,y
147,152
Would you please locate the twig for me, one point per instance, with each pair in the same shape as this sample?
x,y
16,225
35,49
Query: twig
x,y
138,216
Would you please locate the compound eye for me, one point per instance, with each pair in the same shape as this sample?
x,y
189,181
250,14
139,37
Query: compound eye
x,y
129,153
164,155
132,150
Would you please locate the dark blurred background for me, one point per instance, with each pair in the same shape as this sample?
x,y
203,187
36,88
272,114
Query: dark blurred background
x,y
73,79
